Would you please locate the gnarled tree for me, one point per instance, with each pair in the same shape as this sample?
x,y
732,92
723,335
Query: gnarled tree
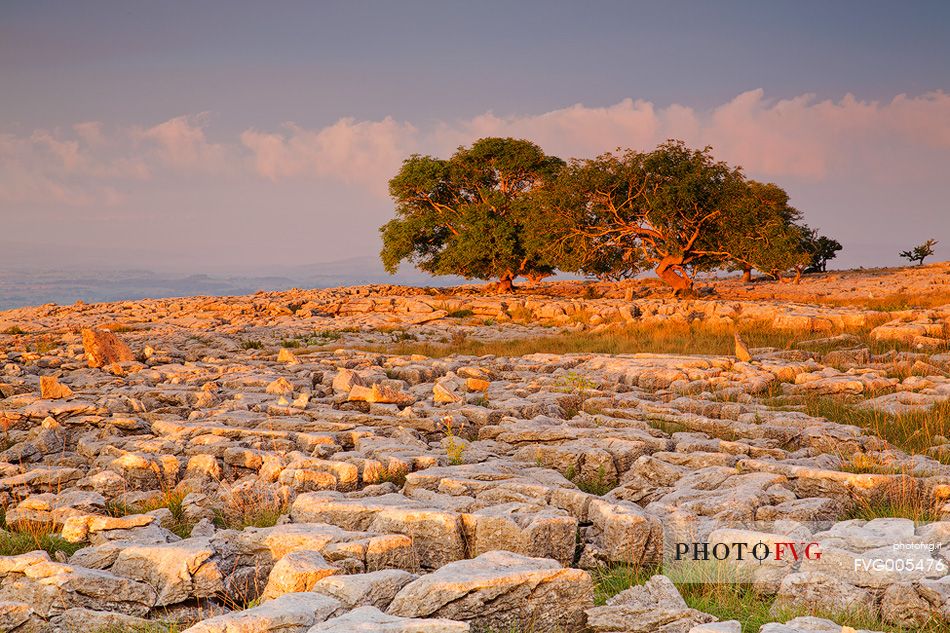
x,y
471,215
673,207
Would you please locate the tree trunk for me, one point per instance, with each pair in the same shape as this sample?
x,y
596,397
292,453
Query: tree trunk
x,y
747,274
535,278
670,270
506,283
798,275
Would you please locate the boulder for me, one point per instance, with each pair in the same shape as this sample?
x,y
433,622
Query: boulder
x,y
499,590
52,389
51,587
375,589
104,348
653,606
177,571
817,592
297,571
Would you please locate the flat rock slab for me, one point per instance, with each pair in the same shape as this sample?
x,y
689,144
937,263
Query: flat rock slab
x,y
372,620
290,613
498,590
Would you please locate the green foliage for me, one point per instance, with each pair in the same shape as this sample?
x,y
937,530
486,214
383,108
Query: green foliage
x,y
460,314
471,215
29,536
503,209
765,233
920,252
251,344
669,207
13,330
573,382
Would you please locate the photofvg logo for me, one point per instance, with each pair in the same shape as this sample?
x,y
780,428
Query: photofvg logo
x,y
859,553
780,551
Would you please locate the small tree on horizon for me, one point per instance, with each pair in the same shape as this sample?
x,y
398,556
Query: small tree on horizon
x,y
920,252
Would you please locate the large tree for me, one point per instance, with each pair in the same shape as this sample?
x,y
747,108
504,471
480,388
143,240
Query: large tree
x,y
673,207
473,214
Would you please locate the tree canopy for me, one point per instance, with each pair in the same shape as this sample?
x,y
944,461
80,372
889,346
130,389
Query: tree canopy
x,y
471,215
502,208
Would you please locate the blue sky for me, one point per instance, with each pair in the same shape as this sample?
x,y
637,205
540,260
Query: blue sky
x,y
232,135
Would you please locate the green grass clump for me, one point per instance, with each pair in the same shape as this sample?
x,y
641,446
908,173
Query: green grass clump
x,y
598,484
14,330
459,314
316,338
170,499
25,537
251,344
901,498
232,519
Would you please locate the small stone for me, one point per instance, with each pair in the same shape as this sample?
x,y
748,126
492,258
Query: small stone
x,y
742,351
286,356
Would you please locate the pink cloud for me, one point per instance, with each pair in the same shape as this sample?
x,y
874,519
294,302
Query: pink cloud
x,y
350,151
182,144
905,139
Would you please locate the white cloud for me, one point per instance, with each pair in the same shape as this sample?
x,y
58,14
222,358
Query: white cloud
x,y
350,151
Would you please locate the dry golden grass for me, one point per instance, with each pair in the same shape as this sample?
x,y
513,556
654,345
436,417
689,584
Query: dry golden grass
x,y
891,303
669,338
902,498
914,432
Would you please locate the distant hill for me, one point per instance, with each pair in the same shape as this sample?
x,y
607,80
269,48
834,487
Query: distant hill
x,y
27,282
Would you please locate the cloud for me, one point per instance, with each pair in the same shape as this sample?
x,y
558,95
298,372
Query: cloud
x,y
799,137
903,140
350,151
182,144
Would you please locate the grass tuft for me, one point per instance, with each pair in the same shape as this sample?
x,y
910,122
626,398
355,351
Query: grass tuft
x,y
170,499
30,536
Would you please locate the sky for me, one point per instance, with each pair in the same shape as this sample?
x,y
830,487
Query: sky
x,y
244,137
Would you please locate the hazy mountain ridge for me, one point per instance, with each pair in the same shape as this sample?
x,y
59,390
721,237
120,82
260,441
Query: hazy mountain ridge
x,y
33,285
